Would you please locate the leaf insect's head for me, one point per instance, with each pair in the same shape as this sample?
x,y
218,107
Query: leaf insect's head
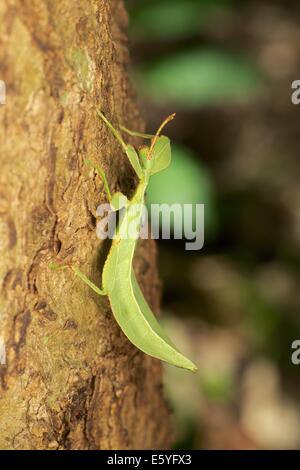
x,y
156,157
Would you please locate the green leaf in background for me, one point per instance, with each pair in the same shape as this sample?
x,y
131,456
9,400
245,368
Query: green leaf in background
x,y
200,78
218,387
171,19
186,181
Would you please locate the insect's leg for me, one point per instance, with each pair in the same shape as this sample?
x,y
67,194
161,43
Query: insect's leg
x,y
113,130
102,175
136,134
58,267
88,282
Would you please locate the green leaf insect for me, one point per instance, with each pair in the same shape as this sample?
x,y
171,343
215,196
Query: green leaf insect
x,y
119,283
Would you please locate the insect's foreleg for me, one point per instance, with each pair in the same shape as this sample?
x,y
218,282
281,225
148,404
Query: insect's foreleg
x,y
87,281
136,134
102,175
113,130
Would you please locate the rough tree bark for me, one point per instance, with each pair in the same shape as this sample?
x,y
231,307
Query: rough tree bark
x,y
71,379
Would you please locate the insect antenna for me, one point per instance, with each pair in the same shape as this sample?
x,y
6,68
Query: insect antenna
x,y
154,140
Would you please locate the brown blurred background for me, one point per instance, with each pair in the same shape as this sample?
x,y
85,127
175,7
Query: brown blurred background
x,y
226,68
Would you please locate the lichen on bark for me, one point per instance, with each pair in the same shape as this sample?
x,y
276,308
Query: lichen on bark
x,y
71,380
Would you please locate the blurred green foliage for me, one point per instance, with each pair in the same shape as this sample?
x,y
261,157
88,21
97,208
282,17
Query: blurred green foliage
x,y
199,78
218,387
222,65
173,19
184,182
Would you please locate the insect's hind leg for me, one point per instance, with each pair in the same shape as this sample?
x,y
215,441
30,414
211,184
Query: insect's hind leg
x,y
87,281
78,273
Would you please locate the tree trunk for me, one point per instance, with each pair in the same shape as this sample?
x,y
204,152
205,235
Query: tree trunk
x,y
71,379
